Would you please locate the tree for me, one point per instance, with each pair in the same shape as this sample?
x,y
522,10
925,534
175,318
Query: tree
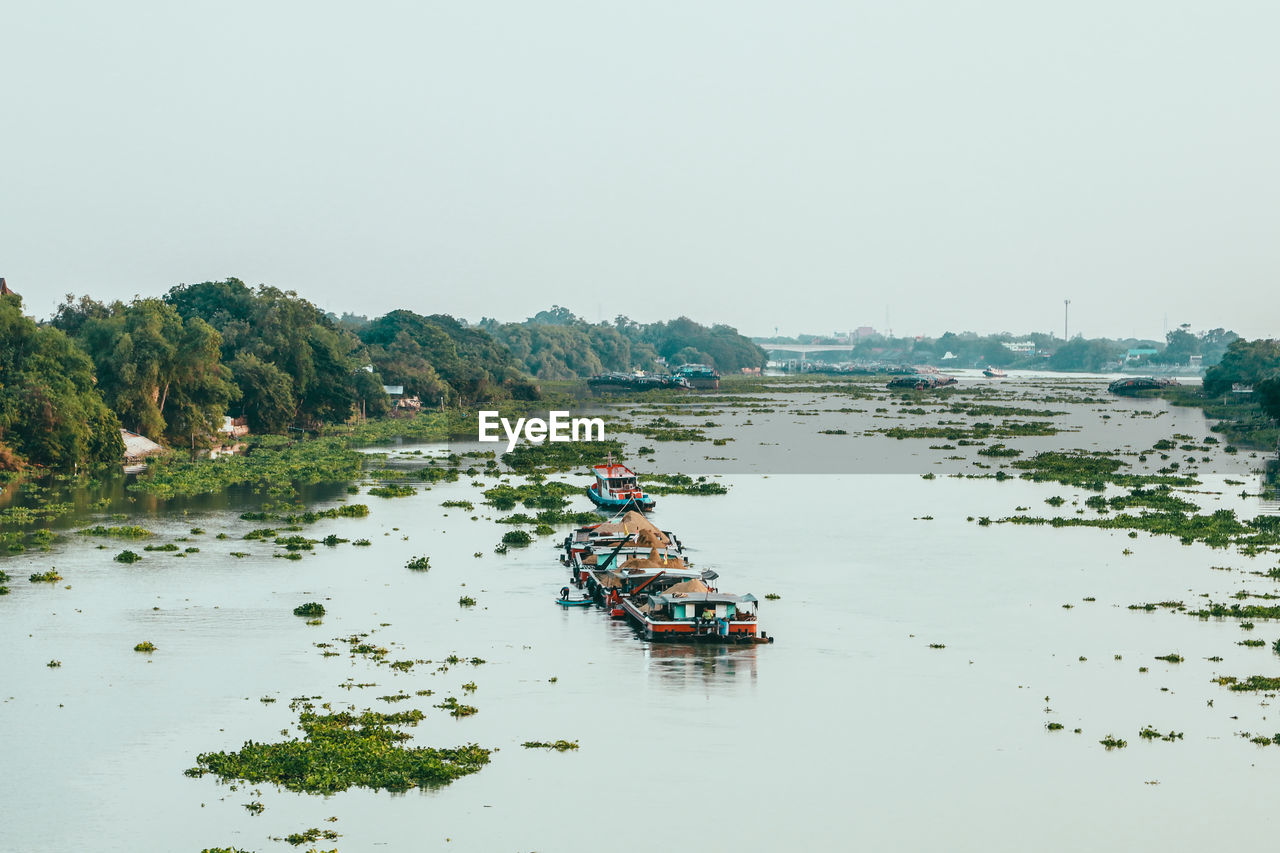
x,y
1087,355
266,394
163,377
1245,362
51,412
318,355
1180,345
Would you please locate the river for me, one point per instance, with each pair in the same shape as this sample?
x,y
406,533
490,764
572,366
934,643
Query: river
x,y
853,730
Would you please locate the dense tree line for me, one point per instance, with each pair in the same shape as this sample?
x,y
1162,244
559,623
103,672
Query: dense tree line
x,y
51,411
171,368
556,344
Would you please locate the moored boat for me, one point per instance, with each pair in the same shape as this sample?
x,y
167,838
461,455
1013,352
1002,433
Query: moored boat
x,y
920,382
714,617
700,376
629,382
616,488
994,373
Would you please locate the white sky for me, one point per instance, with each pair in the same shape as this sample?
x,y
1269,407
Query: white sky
x,y
806,166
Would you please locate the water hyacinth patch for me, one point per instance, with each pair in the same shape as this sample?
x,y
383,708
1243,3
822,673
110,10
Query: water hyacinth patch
x,y
418,564
557,745
345,750
311,609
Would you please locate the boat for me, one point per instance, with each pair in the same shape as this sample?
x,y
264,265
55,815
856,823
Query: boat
x,y
693,616
994,373
1136,384
920,382
616,488
700,376
575,602
605,383
592,544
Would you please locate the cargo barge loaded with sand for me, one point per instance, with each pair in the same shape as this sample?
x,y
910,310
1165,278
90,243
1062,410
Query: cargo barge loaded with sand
x,y
634,570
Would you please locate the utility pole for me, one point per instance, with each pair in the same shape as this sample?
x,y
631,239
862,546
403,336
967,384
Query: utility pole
x,y
1066,319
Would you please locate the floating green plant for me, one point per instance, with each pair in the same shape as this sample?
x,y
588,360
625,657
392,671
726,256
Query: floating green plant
x,y
310,836
118,532
362,543
50,576
557,745
145,646
345,750
1152,733
516,538
1172,657
466,601
1254,683
1054,727
393,490
419,563
456,709
310,609
1111,742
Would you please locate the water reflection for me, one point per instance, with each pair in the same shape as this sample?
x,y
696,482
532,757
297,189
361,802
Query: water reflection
x,y
677,663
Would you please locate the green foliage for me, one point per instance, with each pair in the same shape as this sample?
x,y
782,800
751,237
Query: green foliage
x,y
50,576
310,609
295,341
160,373
126,531
345,750
561,456
1245,362
51,411
419,563
516,539
145,646
127,557
393,490
321,460
557,745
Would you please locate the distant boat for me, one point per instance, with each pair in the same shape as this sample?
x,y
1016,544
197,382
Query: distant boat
x,y
994,373
630,382
920,382
1136,384
701,376
616,488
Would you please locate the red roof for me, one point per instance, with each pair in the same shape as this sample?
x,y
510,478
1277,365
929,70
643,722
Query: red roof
x,y
614,471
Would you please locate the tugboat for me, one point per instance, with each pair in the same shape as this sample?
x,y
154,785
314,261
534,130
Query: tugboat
x,y
994,373
700,376
615,488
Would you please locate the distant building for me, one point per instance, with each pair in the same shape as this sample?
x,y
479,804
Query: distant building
x,y
233,427
393,390
138,447
1138,354
1195,361
864,332
1020,347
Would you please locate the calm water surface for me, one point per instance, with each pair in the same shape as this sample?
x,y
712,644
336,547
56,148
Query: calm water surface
x,y
849,732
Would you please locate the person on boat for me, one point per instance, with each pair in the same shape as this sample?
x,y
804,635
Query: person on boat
x,y
722,627
564,593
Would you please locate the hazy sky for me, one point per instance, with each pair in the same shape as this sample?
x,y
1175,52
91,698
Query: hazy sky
x,y
806,166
